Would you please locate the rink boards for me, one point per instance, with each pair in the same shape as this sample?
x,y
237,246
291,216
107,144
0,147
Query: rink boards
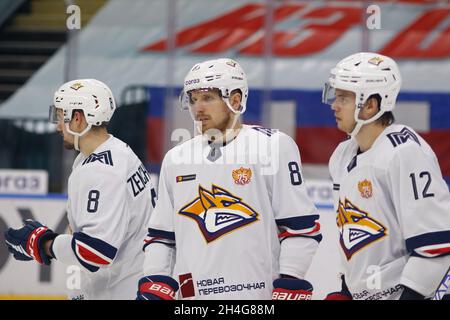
x,y
28,280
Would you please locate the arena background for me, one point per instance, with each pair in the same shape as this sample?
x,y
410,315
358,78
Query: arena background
x,y
143,48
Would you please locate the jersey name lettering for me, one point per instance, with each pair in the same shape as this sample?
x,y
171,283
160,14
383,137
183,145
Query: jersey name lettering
x,y
139,180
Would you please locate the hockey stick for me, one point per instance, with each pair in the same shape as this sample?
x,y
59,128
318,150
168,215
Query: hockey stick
x,y
443,287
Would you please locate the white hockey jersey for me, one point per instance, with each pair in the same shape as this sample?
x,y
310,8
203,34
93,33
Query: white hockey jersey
x,y
110,199
226,209
391,204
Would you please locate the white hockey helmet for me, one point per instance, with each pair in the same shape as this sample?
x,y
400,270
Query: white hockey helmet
x,y
365,74
91,96
223,74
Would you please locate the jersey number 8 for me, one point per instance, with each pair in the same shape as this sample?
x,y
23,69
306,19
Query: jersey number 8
x,y
296,177
92,204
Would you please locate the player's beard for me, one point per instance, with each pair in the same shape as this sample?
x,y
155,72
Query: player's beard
x,y
223,130
221,126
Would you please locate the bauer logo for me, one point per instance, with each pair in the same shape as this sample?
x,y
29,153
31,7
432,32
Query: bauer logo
x,y
218,212
186,285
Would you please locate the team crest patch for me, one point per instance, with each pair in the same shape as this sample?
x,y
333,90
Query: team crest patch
x,y
405,135
376,60
218,212
357,228
242,175
76,86
104,157
365,188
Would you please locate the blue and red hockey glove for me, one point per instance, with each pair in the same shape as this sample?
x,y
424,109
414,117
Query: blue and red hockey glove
x,y
27,243
291,289
157,288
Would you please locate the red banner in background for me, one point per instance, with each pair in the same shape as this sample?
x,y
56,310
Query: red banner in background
x,y
317,144
410,42
242,29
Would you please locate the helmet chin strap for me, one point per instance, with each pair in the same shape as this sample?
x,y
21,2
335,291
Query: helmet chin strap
x,y
77,135
227,102
230,133
237,113
356,129
360,122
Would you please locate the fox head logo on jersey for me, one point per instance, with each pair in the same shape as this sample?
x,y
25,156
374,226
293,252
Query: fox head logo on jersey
x,y
357,229
218,212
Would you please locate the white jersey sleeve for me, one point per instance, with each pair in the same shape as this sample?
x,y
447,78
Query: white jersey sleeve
x,y
101,220
422,200
159,244
295,214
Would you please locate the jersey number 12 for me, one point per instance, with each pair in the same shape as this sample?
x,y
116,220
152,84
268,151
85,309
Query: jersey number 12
x,y
425,193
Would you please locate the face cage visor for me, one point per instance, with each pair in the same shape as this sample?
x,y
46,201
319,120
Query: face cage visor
x,y
53,114
328,94
186,102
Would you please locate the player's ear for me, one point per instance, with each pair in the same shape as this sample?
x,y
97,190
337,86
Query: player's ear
x,y
372,106
76,115
235,99
78,118
370,109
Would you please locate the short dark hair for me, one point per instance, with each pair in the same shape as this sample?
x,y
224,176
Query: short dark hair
x,y
388,117
101,125
236,91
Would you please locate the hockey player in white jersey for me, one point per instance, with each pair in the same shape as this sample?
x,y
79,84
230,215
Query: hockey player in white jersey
x,y
232,220
110,199
391,201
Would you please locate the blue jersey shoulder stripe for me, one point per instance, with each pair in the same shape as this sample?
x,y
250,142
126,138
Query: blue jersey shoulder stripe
x,y
91,252
317,237
161,234
298,223
420,245
427,239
